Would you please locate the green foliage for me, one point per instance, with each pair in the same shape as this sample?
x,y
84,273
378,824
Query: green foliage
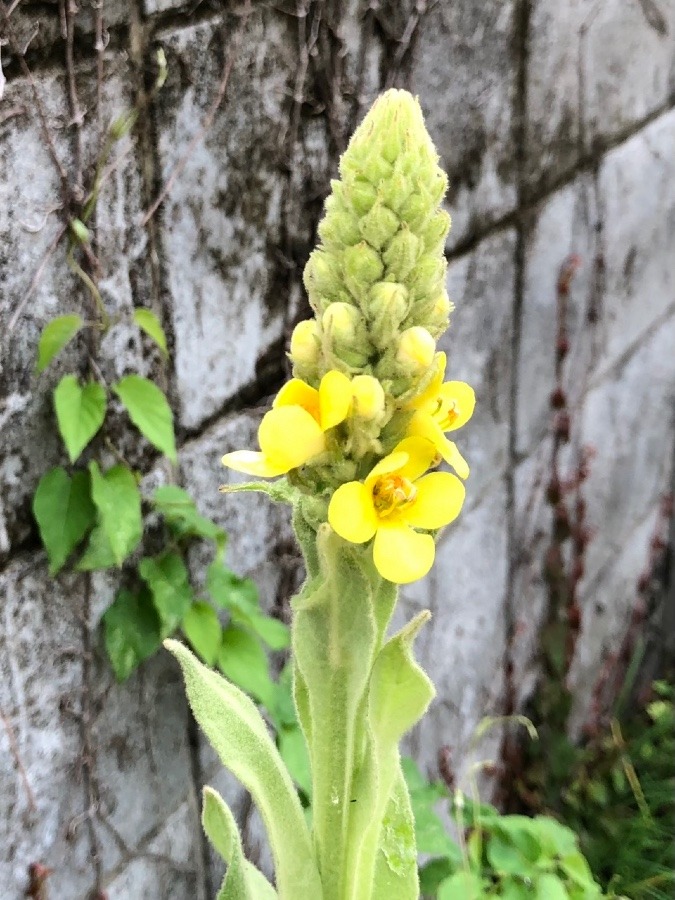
x,y
619,795
64,511
148,322
55,335
242,880
181,516
80,412
240,597
506,856
158,595
132,631
203,631
239,735
118,502
167,577
149,411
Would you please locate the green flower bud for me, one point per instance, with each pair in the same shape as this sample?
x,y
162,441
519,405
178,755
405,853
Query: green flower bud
x,y
395,191
379,226
427,278
387,307
341,227
401,255
362,195
416,210
382,251
362,266
345,340
435,232
322,278
306,343
416,349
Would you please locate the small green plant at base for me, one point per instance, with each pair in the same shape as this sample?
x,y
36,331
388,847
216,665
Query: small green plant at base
x,y
620,798
509,856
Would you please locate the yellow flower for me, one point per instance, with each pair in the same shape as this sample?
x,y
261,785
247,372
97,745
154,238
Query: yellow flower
x,y
395,499
293,431
443,407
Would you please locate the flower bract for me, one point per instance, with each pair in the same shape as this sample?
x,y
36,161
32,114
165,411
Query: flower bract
x,y
294,430
394,500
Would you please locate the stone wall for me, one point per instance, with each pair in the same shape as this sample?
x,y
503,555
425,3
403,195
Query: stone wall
x,y
556,125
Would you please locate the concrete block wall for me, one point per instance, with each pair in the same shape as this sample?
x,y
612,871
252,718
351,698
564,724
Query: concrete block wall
x,y
556,125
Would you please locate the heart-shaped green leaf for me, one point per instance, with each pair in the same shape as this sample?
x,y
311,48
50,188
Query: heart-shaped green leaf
x,y
150,412
55,335
148,322
131,631
80,412
118,502
64,512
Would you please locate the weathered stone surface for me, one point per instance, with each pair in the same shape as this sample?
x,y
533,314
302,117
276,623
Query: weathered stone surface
x,y
464,71
35,816
37,26
594,71
28,190
158,6
561,227
628,51
478,344
30,204
462,647
630,473
223,214
636,197
106,765
168,866
629,420
621,229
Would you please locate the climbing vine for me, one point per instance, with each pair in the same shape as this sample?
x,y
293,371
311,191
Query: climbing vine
x,y
95,512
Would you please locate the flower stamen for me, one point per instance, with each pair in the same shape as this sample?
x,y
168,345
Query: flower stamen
x,y
391,493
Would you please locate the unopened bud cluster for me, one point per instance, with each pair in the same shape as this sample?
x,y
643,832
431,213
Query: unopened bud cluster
x,y
376,282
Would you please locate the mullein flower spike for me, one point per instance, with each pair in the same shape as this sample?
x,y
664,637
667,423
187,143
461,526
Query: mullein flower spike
x,y
357,434
366,369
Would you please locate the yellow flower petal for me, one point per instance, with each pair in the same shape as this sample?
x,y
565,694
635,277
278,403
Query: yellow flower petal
x,y
464,398
421,454
289,436
429,398
453,457
253,463
438,500
402,555
422,425
296,393
391,463
351,512
335,399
